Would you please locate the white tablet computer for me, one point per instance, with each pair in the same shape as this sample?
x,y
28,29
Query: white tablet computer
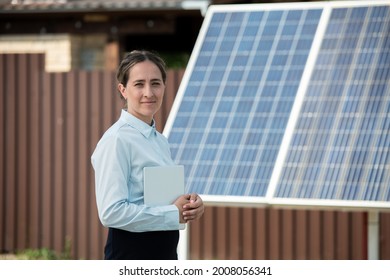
x,y
163,185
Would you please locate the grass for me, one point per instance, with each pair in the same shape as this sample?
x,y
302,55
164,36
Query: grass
x,y
41,254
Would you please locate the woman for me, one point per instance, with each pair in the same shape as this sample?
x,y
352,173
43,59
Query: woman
x,y
137,231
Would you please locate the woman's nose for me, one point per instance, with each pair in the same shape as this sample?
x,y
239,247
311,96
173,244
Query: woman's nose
x,y
148,92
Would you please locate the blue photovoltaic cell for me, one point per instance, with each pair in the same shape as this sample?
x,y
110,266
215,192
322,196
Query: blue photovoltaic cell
x,y
238,99
340,146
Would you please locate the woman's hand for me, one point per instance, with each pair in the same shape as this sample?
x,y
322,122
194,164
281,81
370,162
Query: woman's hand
x,y
194,209
190,207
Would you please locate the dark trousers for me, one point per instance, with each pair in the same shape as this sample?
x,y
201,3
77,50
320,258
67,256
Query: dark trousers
x,y
152,245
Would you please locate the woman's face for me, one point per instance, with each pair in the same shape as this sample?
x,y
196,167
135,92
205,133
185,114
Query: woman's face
x,y
144,91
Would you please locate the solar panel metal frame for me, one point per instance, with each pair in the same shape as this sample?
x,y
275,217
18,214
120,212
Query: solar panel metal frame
x,y
270,199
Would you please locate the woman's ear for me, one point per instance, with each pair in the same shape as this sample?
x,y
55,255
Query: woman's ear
x,y
122,90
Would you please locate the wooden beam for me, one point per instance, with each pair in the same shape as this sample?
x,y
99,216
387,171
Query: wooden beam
x,y
147,25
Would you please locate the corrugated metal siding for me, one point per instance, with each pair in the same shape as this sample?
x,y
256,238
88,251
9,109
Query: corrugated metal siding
x,y
50,124
278,234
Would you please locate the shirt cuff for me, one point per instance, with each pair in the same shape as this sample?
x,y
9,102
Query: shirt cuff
x,y
171,217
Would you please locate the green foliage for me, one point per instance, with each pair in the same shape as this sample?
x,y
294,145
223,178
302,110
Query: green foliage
x,y
37,254
67,253
175,60
46,254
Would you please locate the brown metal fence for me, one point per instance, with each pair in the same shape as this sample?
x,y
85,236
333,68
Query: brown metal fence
x,y
276,234
50,124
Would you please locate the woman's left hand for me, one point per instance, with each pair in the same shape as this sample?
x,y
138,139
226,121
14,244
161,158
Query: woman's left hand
x,y
194,209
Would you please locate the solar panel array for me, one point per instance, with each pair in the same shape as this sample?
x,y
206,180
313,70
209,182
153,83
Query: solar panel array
x,y
288,103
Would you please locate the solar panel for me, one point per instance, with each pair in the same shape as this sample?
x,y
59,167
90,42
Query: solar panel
x,y
340,145
287,102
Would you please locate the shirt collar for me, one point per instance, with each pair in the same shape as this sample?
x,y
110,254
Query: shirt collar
x,y
145,129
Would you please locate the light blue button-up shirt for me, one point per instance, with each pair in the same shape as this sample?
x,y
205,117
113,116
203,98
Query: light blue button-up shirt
x,y
118,160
